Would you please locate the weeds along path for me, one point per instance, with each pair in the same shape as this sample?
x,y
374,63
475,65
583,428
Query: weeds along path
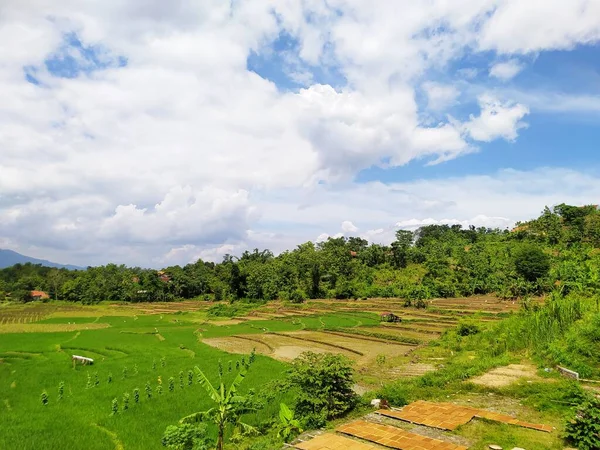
x,y
113,436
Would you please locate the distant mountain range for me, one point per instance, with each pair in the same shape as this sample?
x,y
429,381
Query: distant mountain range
x,y
9,258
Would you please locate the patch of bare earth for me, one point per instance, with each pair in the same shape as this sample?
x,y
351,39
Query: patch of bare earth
x,y
506,375
236,344
410,370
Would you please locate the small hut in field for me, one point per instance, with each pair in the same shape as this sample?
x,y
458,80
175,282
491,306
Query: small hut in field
x,y
390,317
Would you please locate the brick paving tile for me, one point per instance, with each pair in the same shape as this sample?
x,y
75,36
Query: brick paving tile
x,y
331,441
394,437
448,416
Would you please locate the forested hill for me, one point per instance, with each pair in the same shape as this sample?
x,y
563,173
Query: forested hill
x,y
560,249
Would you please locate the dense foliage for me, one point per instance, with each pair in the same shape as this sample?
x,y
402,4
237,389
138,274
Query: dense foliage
x,y
324,384
559,247
583,429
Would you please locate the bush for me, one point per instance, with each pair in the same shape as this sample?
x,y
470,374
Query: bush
x,y
297,296
186,437
324,383
583,429
467,329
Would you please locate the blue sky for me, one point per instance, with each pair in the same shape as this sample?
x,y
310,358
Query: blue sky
x,y
556,135
163,135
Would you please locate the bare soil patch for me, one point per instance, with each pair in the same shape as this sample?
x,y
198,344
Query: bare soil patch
x,y
233,344
400,332
504,376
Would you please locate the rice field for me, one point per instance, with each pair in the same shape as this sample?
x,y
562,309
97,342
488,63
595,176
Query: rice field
x,y
141,346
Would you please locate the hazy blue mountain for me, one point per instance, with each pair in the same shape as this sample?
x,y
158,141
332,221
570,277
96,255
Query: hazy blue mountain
x,y
9,258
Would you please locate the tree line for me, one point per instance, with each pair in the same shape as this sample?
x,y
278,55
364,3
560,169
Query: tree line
x,y
560,247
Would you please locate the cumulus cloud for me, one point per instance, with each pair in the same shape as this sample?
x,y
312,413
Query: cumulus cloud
x,y
158,144
349,227
496,120
440,96
524,27
506,70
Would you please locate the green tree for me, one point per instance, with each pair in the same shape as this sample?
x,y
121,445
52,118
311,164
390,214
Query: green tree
x,y
401,247
531,262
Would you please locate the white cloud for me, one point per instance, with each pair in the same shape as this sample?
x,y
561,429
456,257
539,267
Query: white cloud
x,y
440,96
506,70
184,152
487,201
556,102
497,120
518,26
349,227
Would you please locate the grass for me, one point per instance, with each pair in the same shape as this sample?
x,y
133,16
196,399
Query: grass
x,y
137,344
37,361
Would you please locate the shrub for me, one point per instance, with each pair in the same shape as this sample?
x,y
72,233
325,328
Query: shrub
x,y
136,395
114,407
190,377
61,389
125,401
148,390
297,296
181,379
171,384
583,429
324,383
467,329
186,437
109,378
396,394
421,304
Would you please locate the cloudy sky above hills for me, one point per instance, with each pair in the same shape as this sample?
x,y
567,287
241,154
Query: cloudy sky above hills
x,y
153,133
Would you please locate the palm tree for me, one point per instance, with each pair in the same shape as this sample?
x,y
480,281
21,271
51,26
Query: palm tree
x,y
229,406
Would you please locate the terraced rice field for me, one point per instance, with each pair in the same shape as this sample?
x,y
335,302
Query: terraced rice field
x,y
129,341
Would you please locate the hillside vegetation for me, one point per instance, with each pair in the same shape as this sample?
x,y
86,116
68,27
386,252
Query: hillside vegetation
x,y
559,248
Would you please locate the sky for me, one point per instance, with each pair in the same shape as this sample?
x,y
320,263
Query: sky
x,y
154,133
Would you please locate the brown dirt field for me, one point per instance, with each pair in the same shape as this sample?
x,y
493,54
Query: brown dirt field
x,y
234,345
277,341
220,323
369,347
276,346
287,346
400,332
410,370
503,376
49,327
422,327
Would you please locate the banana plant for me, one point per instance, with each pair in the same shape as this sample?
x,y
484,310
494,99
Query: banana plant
x,y
288,426
228,408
